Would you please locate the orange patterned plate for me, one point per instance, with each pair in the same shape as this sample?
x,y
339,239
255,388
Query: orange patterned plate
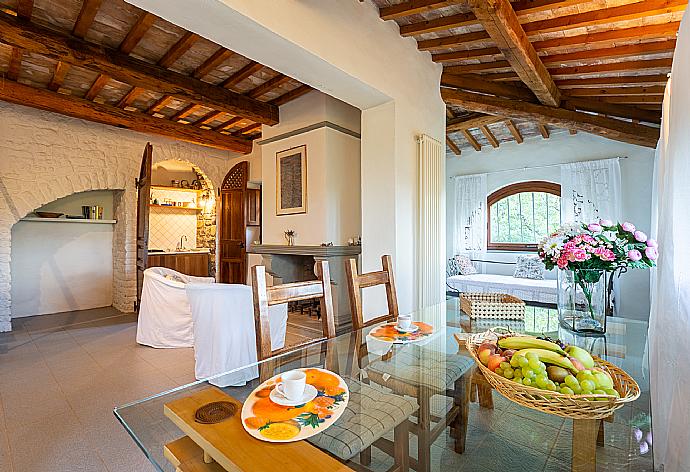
x,y
271,422
389,334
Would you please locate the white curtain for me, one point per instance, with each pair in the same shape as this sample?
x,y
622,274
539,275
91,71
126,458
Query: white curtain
x,y
669,321
591,190
470,214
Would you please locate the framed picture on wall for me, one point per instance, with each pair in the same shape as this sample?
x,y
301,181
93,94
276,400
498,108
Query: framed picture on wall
x,y
291,181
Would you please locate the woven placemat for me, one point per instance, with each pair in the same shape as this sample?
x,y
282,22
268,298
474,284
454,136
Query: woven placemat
x,y
215,412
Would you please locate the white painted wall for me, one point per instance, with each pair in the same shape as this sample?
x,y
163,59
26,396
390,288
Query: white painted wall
x,y
636,183
344,49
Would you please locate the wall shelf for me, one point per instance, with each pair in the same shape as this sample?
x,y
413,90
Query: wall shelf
x,y
176,207
175,189
69,220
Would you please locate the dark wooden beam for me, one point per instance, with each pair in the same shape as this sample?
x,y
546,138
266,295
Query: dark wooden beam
x,y
212,62
593,82
96,87
228,124
502,24
473,120
607,127
129,97
88,11
291,95
269,85
543,130
482,66
616,91
15,64
209,117
178,49
453,147
636,33
471,139
464,40
411,7
249,129
61,69
246,71
489,136
616,52
159,104
185,112
132,71
483,53
144,22
25,8
639,66
438,24
514,131
75,107
475,83
622,111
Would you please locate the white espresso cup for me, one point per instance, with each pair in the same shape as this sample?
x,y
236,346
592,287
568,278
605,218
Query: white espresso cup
x,y
292,385
404,322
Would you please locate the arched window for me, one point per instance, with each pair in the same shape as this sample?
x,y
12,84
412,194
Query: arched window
x,y
519,215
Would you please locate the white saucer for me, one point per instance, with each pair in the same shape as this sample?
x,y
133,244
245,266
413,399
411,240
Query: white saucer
x,y
310,393
412,329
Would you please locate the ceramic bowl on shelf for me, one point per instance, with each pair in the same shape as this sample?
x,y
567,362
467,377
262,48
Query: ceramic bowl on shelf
x,y
48,214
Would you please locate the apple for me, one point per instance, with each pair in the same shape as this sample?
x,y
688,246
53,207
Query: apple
x,y
484,351
581,355
495,361
508,353
576,363
604,380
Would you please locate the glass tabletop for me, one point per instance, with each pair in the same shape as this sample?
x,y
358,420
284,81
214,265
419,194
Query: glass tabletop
x,y
429,374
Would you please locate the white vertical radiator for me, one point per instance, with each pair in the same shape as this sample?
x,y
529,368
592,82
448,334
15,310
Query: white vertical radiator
x,y
432,221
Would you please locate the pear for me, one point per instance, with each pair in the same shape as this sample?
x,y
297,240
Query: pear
x,y
581,355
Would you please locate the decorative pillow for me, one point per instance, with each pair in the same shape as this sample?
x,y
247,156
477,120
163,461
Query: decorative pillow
x,y
529,267
453,267
465,264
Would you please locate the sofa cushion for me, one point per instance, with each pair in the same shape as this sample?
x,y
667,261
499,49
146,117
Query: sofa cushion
x,y
529,267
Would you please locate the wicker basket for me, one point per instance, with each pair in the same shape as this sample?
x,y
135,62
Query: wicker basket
x,y
556,403
492,305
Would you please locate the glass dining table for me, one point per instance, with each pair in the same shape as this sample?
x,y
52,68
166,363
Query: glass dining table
x,y
503,437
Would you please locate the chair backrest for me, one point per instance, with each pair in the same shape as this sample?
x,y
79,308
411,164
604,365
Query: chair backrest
x,y
267,296
357,282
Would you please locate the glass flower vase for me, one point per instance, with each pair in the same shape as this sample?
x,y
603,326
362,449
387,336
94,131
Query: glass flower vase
x,y
584,300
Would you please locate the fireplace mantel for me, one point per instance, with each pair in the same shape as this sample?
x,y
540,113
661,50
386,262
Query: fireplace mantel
x,y
316,251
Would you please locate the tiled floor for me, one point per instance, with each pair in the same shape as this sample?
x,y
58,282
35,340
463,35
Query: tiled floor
x,y
61,375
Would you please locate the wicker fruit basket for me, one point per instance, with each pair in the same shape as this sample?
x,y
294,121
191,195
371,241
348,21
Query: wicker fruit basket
x,y
556,403
492,305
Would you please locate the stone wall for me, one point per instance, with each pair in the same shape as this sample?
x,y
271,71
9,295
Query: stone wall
x,y
45,156
206,223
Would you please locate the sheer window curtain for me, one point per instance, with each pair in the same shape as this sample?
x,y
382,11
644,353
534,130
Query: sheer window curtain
x,y
669,321
470,215
590,191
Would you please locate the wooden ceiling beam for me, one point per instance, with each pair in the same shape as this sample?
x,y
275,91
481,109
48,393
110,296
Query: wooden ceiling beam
x,y
159,104
218,57
622,111
528,7
616,91
228,124
543,130
473,120
15,64
633,99
483,53
178,49
96,87
134,36
438,24
248,70
563,118
636,33
411,7
489,136
25,9
475,83
646,66
249,129
502,24
129,97
464,40
269,85
75,107
61,69
654,79
611,53
482,66
471,139
88,11
132,71
291,95
185,112
453,147
630,11
209,117
514,131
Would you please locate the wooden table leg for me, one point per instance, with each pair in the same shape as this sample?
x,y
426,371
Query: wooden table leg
x,y
401,439
424,431
461,399
585,445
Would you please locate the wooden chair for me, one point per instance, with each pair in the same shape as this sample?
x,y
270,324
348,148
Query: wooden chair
x,y
343,447
383,371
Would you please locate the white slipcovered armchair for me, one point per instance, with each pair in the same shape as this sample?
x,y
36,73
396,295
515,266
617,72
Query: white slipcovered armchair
x,y
224,332
165,318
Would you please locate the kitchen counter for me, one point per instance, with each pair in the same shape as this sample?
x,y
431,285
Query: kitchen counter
x,y
181,251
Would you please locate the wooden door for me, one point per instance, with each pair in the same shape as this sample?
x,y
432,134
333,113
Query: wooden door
x,y
143,198
233,225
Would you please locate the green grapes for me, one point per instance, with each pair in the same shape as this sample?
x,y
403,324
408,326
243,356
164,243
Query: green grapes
x,y
504,365
514,361
527,382
567,390
534,363
587,385
522,361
